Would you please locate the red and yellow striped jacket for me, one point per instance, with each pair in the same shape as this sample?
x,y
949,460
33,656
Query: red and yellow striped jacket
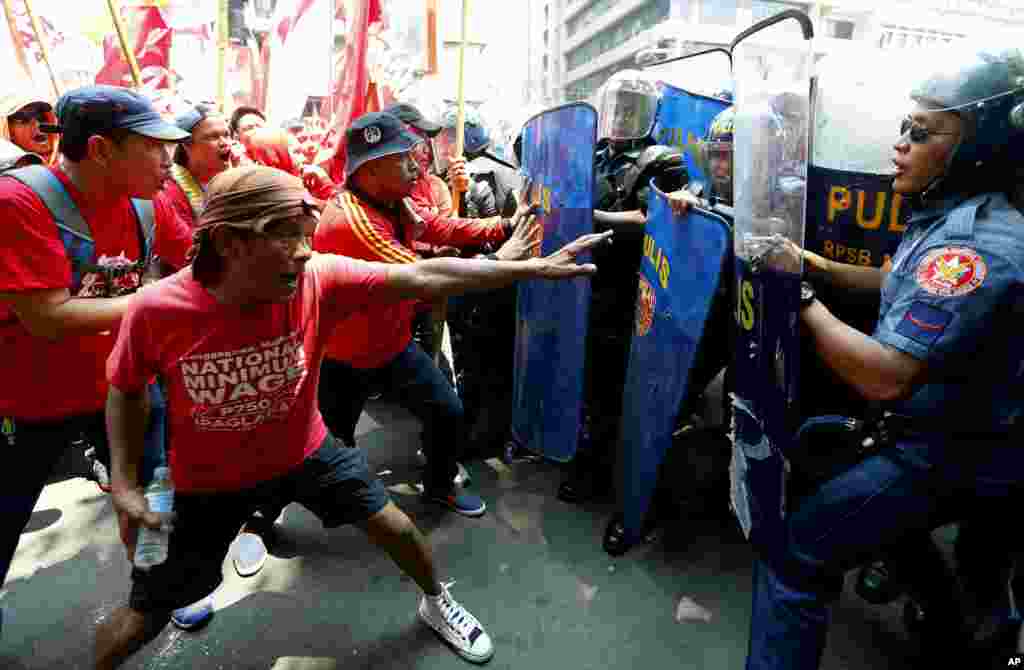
x,y
351,226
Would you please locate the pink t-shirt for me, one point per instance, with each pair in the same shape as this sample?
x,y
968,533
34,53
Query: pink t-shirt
x,y
241,382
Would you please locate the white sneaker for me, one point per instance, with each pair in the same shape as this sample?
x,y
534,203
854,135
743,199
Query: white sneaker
x,y
456,626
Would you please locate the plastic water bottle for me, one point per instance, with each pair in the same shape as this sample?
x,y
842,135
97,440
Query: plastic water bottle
x,y
151,548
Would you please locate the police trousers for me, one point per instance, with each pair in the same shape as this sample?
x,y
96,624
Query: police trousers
x,y
875,508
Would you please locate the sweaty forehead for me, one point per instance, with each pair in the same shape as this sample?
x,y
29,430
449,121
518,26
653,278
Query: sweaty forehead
x,y
930,118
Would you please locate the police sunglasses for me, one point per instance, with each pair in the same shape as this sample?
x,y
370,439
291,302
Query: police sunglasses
x,y
917,133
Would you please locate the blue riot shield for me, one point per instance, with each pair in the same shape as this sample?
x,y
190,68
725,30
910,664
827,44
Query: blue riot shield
x,y
682,121
690,89
772,64
551,325
679,275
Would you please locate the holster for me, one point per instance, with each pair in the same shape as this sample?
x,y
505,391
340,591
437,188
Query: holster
x,y
827,446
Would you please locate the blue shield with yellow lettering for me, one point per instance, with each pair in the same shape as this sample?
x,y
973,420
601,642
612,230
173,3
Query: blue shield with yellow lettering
x,y
682,121
551,325
679,279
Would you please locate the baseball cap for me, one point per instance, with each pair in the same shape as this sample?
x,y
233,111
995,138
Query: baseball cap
x,y
408,114
96,110
12,102
190,118
374,136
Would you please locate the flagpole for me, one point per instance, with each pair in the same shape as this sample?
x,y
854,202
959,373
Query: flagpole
x,y
37,29
222,51
460,118
19,48
126,49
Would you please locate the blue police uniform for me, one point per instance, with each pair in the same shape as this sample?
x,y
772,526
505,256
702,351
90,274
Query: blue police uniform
x,y
953,300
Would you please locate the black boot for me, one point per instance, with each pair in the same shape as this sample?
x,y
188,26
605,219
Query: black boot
x,y
578,488
615,541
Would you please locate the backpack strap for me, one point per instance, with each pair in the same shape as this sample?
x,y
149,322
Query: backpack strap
x,y
51,191
145,215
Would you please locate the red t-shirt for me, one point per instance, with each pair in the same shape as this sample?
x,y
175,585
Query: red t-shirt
x,y
353,228
177,199
53,380
241,382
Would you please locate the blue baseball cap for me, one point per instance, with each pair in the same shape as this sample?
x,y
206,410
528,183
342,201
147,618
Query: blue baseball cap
x,y
96,110
190,118
374,136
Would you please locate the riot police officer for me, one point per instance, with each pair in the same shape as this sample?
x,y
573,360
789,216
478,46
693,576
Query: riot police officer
x,y
493,182
483,324
624,164
944,360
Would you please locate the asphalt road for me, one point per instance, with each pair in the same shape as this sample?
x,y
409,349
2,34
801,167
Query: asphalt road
x,y
531,570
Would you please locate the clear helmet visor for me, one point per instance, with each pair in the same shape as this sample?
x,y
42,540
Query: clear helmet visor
x,y
626,107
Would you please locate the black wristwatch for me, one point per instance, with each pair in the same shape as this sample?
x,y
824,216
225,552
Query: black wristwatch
x,y
806,294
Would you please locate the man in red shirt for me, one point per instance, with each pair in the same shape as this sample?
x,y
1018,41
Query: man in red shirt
x,y
58,313
238,339
374,220
197,160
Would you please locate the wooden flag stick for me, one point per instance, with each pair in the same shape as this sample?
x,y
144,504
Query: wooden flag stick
x,y
43,48
460,118
222,51
19,48
127,49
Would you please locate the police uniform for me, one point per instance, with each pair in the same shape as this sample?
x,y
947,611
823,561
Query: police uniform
x,y
952,300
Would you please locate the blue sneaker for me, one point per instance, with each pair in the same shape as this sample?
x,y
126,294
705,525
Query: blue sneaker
x,y
194,616
463,503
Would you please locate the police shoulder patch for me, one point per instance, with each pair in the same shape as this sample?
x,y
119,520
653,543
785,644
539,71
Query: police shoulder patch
x,y
951,271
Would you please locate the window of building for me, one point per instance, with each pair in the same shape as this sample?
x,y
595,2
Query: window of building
x,y
592,13
545,37
905,37
545,62
718,12
618,34
839,29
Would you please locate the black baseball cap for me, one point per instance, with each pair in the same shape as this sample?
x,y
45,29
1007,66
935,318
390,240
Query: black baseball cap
x,y
96,110
373,136
409,114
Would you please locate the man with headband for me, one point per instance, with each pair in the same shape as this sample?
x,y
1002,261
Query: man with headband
x,y
239,338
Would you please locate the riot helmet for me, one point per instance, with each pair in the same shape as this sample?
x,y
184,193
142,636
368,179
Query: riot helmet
x,y
984,86
626,107
476,137
718,153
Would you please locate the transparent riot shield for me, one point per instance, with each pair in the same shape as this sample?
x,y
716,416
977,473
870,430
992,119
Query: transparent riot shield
x,y
692,90
707,73
772,63
853,216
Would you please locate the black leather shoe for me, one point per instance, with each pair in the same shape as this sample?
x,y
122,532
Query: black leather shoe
x,y
876,584
615,542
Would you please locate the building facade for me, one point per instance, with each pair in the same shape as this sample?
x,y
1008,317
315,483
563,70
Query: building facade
x,y
576,45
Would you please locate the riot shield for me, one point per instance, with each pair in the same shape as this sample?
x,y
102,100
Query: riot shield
x,y
706,73
551,324
772,61
679,276
853,216
691,89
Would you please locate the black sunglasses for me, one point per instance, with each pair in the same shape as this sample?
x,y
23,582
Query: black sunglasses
x,y
30,114
917,133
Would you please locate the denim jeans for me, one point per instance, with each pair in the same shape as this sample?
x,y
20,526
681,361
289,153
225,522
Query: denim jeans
x,y
419,386
39,447
886,501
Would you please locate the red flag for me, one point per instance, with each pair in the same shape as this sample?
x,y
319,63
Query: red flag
x,y
350,92
151,37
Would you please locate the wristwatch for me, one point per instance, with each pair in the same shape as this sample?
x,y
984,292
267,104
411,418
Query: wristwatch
x,y
806,294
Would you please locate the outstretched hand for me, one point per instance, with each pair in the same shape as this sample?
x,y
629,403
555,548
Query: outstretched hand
x,y
680,201
525,239
562,264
